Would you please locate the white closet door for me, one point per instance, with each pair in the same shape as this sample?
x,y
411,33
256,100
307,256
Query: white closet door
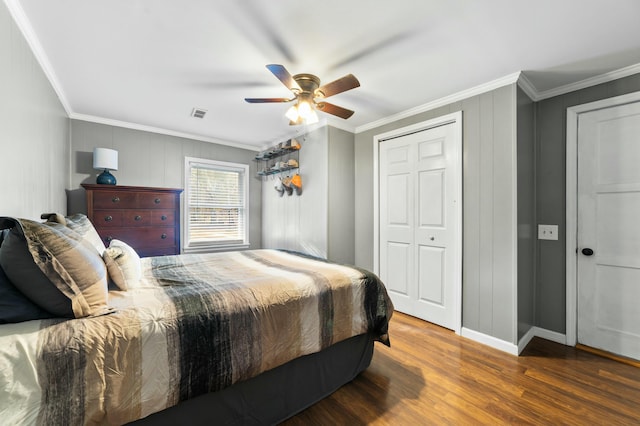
x,y
419,216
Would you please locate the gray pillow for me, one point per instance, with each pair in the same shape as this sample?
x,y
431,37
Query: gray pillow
x,y
18,264
66,260
15,306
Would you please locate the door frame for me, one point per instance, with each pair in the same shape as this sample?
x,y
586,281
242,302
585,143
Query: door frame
x,y
455,119
573,113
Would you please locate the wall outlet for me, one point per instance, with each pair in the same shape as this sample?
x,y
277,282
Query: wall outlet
x,y
547,232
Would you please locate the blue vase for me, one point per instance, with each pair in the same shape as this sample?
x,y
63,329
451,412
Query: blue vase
x,y
106,178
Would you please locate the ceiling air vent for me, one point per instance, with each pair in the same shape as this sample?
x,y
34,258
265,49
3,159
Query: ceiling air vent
x,y
198,112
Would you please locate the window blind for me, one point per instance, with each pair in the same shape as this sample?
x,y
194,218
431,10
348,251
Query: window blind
x,y
216,204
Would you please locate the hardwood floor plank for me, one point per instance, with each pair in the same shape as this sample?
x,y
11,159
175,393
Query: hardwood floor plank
x,y
432,376
606,354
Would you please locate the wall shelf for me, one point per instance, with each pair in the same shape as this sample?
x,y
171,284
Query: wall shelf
x,y
279,159
275,152
275,171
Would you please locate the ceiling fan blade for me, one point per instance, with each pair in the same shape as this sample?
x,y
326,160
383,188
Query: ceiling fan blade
x,y
340,85
283,75
266,100
334,110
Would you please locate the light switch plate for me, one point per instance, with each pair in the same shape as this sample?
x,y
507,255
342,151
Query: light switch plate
x,y
547,232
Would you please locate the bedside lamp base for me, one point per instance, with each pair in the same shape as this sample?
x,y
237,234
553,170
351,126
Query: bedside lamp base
x,y
106,178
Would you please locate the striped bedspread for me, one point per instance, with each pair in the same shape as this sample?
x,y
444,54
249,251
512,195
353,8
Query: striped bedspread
x,y
195,324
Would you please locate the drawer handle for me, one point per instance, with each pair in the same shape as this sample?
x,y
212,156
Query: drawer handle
x,y
109,238
163,236
115,199
157,201
138,217
163,217
108,218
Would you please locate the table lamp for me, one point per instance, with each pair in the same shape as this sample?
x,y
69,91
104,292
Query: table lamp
x,y
105,159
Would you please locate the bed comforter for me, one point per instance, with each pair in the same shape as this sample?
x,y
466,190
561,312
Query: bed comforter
x,y
194,324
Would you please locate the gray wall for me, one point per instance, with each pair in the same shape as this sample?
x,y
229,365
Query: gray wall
x,y
550,194
526,213
151,159
34,131
341,215
489,236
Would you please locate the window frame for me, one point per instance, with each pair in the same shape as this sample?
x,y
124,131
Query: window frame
x,y
243,169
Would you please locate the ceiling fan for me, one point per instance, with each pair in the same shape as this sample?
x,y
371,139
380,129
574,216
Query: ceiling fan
x,y
309,95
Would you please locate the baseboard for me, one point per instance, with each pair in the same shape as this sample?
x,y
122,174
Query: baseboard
x,y
522,343
554,336
491,341
542,333
508,347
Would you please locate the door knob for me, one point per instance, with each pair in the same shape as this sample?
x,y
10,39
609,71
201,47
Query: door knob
x,y
587,251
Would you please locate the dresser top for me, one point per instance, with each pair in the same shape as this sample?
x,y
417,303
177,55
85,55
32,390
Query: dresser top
x,y
123,188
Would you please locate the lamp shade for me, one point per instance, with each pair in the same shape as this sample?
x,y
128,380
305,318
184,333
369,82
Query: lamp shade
x,y
105,159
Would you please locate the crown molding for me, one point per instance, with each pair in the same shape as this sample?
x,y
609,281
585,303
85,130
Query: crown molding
x,y
340,124
23,24
588,82
525,84
477,90
134,126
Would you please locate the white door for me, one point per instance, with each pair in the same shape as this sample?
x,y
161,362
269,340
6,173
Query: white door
x,y
419,178
609,226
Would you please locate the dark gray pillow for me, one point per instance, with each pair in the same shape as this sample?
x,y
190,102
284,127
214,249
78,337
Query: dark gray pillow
x,y
68,263
14,306
17,262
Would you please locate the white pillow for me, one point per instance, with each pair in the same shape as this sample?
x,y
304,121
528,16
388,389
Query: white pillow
x,y
123,265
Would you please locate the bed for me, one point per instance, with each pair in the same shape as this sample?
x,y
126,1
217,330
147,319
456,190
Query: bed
x,y
246,337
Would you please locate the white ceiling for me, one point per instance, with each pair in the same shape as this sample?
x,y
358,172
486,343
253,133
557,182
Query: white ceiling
x,y
146,64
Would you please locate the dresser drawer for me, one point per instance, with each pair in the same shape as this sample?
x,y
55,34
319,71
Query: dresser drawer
x,y
156,201
114,200
158,251
107,218
163,217
136,217
140,237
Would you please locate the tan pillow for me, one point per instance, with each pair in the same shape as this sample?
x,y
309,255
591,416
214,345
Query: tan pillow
x,y
123,264
81,224
67,261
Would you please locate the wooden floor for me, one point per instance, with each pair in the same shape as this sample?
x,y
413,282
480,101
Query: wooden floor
x,y
432,376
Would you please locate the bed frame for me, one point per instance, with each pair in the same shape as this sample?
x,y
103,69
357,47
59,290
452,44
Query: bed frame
x,y
274,395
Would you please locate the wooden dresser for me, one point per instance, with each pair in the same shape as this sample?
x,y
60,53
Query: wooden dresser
x,y
148,219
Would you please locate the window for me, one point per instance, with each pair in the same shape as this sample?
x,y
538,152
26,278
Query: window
x,y
216,206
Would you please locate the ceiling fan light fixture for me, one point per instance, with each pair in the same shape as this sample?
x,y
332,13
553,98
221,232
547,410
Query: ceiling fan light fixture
x,y
304,109
292,113
312,117
302,113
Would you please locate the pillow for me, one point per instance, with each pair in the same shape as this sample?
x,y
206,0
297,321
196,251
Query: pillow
x,y
26,276
81,224
54,267
123,264
14,306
